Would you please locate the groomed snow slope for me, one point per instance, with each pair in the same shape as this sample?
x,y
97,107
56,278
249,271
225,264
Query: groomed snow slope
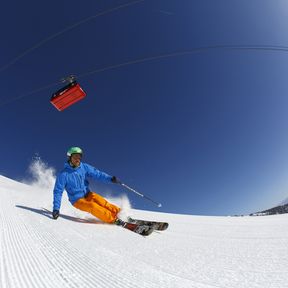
x,y
200,252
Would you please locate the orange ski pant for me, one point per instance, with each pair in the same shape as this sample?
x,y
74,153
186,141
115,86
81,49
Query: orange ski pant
x,y
98,206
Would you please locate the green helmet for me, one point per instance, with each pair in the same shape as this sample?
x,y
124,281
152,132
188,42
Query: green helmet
x,y
74,150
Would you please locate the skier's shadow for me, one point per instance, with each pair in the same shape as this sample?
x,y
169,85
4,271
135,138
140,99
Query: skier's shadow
x,y
45,212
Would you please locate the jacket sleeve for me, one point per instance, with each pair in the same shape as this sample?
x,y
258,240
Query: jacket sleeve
x,y
58,191
97,174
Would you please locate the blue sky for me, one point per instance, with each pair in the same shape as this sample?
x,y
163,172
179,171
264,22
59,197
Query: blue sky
x,y
204,133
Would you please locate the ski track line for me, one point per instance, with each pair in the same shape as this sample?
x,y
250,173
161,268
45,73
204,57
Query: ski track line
x,y
125,275
37,252
19,257
174,276
13,254
3,265
61,258
64,256
23,265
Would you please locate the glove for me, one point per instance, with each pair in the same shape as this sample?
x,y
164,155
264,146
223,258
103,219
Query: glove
x,y
55,214
115,180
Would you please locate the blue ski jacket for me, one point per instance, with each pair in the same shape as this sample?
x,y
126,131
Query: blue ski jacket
x,y
74,181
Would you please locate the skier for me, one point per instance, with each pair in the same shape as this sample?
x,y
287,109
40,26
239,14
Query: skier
x,y
73,178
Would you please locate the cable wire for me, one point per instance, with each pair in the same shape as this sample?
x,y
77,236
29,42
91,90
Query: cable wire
x,y
68,28
186,52
158,57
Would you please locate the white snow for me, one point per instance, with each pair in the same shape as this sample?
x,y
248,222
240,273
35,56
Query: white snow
x,y
79,251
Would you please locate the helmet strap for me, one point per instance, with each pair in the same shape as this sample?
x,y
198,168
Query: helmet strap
x,y
70,163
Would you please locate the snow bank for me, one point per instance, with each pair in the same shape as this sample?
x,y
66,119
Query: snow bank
x,y
195,252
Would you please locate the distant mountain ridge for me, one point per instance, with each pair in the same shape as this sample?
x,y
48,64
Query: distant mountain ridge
x,y
281,209
284,202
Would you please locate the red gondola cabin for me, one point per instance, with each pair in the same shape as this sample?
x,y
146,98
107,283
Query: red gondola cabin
x,y
67,96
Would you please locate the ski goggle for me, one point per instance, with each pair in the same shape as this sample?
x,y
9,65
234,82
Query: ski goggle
x,y
76,156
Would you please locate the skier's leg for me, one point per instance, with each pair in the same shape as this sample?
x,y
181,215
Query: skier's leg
x,y
98,211
92,196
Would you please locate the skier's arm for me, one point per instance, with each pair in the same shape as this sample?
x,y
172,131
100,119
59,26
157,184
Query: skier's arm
x,y
97,174
58,191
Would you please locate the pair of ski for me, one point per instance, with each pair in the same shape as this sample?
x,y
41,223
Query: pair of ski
x,y
144,227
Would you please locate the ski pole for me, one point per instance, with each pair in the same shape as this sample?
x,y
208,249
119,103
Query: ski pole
x,y
131,189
